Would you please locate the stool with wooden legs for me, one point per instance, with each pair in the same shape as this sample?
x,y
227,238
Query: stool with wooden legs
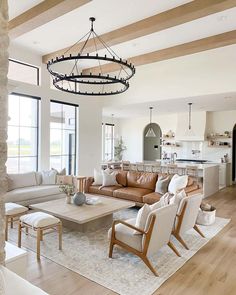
x,y
39,222
12,213
186,217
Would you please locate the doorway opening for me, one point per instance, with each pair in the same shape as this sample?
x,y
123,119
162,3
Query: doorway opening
x,y
152,145
234,154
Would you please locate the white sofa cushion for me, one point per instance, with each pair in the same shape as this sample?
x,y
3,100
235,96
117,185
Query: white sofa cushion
x,y
177,183
33,192
39,219
21,180
12,209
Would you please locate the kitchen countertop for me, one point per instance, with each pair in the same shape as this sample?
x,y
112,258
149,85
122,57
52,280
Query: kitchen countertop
x,y
180,165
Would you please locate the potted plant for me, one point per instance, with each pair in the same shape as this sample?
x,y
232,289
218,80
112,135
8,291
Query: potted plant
x,y
119,149
68,189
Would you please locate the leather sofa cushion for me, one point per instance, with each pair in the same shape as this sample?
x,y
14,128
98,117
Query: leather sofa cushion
x,y
106,190
151,198
131,193
144,180
121,177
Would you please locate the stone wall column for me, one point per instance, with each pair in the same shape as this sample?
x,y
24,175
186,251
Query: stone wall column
x,y
4,42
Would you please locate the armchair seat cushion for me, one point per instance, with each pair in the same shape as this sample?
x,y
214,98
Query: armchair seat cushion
x,y
106,190
152,198
126,235
131,193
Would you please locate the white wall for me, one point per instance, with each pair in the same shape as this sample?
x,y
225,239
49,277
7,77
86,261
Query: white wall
x,y
90,115
131,131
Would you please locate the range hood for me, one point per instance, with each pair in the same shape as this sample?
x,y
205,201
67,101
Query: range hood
x,y
198,127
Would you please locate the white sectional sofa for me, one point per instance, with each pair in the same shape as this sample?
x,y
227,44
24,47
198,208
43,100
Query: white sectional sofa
x,y
27,188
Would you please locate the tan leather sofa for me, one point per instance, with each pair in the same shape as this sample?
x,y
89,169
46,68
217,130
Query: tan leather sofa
x,y
135,186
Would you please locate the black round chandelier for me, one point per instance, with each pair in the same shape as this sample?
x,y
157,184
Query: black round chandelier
x,y
68,76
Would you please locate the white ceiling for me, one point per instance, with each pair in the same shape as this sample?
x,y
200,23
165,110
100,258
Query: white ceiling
x,y
112,14
218,102
17,7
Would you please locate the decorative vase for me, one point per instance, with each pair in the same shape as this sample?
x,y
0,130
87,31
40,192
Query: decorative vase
x,y
68,199
79,198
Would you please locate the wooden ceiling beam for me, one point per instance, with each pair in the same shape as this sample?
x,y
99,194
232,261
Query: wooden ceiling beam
x,y
208,43
41,14
167,19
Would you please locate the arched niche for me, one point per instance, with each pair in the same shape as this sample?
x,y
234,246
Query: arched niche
x,y
152,145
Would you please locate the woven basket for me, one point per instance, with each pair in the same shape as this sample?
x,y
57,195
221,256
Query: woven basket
x,y
206,217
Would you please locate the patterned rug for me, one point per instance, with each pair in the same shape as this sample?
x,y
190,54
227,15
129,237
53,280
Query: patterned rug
x,y
126,274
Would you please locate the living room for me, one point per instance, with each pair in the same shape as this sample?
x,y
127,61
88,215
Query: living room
x,y
88,178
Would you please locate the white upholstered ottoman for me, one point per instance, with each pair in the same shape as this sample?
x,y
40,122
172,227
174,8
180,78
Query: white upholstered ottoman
x,y
39,222
13,212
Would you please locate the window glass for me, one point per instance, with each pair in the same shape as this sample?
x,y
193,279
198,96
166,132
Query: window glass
x,y
108,142
63,136
22,134
22,72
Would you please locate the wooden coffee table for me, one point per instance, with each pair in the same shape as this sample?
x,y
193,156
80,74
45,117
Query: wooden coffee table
x,y
86,217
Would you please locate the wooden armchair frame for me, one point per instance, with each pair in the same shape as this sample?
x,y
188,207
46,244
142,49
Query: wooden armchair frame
x,y
142,254
176,231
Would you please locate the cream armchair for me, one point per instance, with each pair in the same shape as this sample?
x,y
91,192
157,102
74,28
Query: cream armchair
x,y
186,217
156,234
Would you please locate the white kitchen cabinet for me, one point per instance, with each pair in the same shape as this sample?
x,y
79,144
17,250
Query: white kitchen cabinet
x,y
224,175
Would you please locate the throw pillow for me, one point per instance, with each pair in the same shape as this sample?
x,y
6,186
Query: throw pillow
x,y
177,183
162,185
64,179
49,177
62,172
141,218
109,179
177,198
97,175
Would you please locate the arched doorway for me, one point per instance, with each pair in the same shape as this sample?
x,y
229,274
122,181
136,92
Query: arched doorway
x,y
152,145
234,154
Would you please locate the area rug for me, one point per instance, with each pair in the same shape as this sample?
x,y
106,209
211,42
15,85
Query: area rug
x,y
125,274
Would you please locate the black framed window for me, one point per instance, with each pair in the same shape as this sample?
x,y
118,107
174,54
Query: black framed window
x,y
63,121
22,140
23,72
108,141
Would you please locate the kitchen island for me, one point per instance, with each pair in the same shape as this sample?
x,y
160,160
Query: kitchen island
x,y
207,174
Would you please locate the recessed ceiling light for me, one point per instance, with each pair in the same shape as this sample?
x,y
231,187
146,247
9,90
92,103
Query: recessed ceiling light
x,y
35,42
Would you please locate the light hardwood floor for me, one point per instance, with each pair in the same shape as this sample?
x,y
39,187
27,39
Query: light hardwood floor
x,y
211,271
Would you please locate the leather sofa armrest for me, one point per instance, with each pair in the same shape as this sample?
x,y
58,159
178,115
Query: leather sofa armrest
x,y
88,183
191,188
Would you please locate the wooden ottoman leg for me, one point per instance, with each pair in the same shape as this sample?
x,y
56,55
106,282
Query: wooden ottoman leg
x,y
41,235
6,228
38,243
19,234
60,235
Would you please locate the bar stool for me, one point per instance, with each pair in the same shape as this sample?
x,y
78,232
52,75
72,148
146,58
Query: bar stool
x,y
192,171
81,183
172,169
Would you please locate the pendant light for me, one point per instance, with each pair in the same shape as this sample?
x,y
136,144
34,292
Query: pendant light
x,y
150,132
189,131
190,115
